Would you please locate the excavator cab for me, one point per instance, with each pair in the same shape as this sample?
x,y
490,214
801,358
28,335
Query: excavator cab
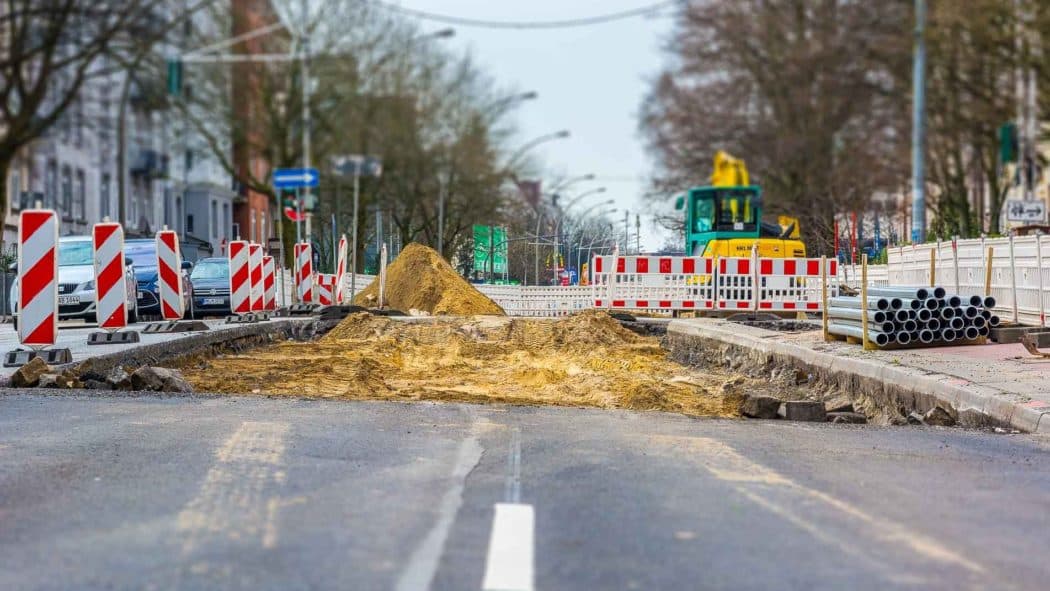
x,y
724,219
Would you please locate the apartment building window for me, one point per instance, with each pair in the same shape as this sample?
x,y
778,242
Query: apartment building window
x,y
214,219
251,228
51,185
225,220
80,197
103,197
67,193
189,224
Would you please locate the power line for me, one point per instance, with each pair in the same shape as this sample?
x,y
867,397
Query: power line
x,y
647,10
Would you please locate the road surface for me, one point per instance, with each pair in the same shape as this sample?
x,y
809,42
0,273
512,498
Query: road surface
x,y
253,493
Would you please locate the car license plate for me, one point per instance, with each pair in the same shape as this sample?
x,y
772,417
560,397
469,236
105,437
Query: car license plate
x,y
211,301
70,300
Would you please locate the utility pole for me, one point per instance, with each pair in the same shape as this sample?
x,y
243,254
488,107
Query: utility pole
x,y
353,231
638,232
307,124
441,216
918,125
626,232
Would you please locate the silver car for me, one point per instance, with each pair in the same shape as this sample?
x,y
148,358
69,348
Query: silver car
x,y
76,282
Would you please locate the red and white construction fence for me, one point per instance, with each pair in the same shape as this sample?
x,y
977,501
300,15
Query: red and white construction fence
x,y
667,284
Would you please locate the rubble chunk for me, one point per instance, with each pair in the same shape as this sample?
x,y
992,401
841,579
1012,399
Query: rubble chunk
x,y
29,374
803,410
938,417
760,407
159,379
849,418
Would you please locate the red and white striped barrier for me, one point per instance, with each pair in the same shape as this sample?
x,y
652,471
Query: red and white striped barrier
x,y
269,271
111,287
304,272
169,280
793,284
735,284
653,283
325,289
340,270
240,280
255,276
37,278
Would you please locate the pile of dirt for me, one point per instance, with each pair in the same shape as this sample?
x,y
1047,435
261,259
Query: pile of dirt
x,y
420,279
585,360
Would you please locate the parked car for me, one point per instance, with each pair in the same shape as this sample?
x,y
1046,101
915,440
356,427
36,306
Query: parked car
x,y
76,282
211,287
143,253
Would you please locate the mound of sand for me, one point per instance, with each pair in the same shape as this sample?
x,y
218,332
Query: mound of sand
x,y
419,278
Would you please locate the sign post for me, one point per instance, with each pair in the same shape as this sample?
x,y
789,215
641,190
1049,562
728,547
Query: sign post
x,y
296,178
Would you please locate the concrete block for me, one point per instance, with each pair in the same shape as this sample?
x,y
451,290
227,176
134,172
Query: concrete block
x,y
803,410
760,407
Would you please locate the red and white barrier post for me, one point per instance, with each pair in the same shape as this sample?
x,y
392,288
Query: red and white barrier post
x,y
325,289
255,276
37,288
240,278
169,280
304,273
269,284
340,269
111,285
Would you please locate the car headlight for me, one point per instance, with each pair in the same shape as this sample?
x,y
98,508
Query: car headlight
x,y
89,286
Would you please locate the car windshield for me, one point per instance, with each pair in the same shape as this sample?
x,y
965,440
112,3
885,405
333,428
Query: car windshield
x,y
73,253
211,269
143,254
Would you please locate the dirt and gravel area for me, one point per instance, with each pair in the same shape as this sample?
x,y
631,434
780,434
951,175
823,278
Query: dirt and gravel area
x,y
587,360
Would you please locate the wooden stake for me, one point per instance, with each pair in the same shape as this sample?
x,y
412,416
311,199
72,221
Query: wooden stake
x,y
988,272
864,300
824,295
933,267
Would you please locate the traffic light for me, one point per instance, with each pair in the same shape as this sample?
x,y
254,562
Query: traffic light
x,y
1007,143
174,76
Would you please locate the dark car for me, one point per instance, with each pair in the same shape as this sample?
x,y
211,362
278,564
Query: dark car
x,y
211,287
142,252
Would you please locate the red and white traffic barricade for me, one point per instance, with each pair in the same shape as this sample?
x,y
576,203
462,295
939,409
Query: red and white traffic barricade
x,y
340,270
794,284
304,272
255,276
169,275
653,283
37,279
240,278
111,288
269,284
325,289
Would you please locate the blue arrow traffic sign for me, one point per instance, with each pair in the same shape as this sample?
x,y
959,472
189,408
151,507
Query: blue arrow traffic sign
x,y
295,178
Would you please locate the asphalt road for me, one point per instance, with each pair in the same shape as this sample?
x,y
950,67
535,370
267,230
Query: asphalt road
x,y
250,493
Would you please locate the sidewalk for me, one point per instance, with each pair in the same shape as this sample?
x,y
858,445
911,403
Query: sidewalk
x,y
153,345
1000,382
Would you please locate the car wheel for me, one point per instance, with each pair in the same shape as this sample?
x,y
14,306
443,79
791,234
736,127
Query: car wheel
x,y
188,314
133,313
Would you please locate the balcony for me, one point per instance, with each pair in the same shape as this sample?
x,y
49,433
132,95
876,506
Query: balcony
x,y
150,164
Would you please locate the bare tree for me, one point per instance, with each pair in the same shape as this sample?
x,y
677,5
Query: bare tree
x,y
804,90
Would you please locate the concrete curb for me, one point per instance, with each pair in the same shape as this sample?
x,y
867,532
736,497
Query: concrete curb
x,y
991,404
157,353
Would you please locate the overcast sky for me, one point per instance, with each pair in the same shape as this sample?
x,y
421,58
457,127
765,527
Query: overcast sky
x,y
590,80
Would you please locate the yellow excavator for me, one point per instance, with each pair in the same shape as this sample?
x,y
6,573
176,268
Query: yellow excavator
x,y
724,219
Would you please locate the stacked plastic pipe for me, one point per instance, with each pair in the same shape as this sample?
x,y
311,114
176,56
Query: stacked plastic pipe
x,y
912,315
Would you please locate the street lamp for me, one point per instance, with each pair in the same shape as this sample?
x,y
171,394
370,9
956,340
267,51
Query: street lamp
x,y
572,181
558,135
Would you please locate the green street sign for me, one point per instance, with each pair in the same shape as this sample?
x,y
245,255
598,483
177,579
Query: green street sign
x,y
490,240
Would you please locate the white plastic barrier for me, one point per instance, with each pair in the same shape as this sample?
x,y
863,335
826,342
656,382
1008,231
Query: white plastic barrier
x,y
1020,272
539,300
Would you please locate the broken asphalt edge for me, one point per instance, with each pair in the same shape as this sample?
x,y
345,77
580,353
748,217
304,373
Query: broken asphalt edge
x,y
991,405
187,343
